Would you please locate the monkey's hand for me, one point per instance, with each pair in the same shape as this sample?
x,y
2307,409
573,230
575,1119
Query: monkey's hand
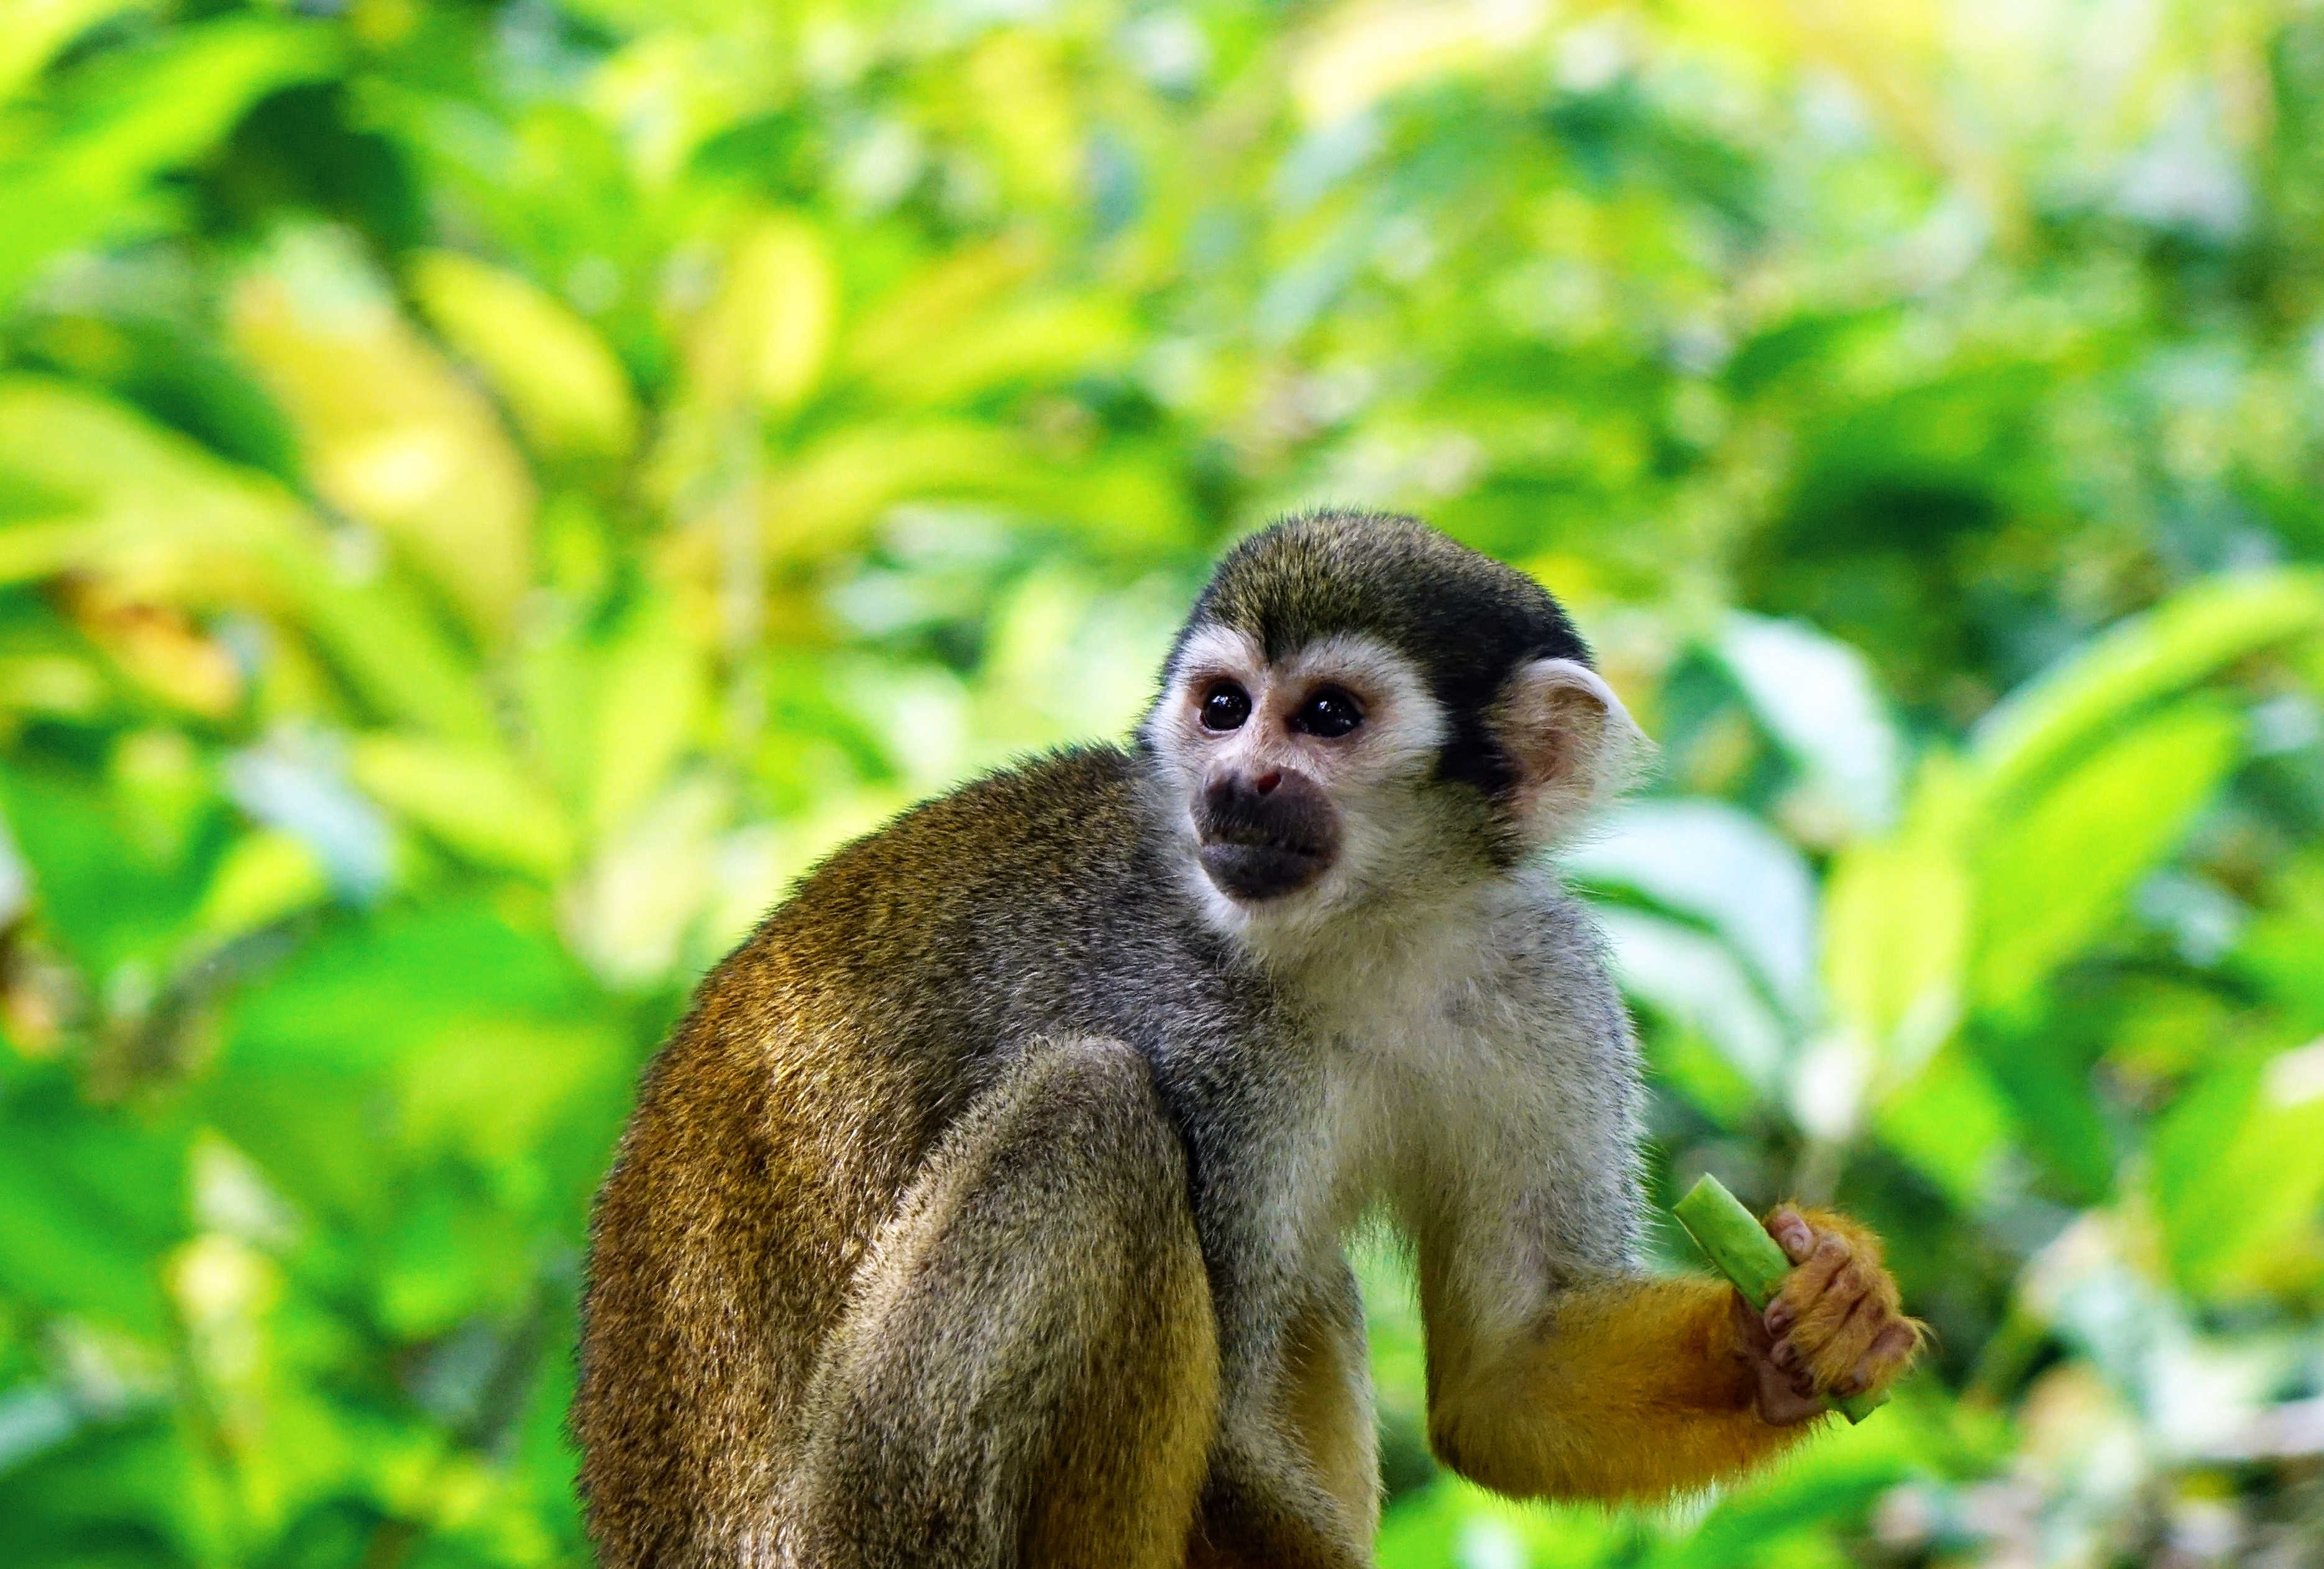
x,y
1835,1328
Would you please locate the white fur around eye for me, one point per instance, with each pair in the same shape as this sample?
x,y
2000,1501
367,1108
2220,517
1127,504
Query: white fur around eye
x,y
1402,722
1212,653
1215,650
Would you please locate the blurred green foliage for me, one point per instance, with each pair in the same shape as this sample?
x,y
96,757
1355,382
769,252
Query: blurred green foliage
x,y
490,489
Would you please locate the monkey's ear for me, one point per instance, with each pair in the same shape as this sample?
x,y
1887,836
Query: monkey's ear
x,y
1573,744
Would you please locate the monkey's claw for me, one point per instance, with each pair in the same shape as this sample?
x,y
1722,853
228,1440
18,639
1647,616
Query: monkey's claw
x,y
1836,1328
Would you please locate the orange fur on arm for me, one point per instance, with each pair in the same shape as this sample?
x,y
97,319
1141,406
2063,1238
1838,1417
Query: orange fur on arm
x,y
1630,1392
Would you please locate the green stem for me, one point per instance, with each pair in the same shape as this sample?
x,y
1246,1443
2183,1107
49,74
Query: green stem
x,y
1732,1238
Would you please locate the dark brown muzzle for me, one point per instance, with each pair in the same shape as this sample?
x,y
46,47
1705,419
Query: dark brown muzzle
x,y
1266,835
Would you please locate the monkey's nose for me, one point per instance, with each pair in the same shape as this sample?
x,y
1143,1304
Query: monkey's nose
x,y
1265,783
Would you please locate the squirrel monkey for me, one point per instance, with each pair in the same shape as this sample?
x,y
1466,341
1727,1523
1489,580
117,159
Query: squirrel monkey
x,y
988,1209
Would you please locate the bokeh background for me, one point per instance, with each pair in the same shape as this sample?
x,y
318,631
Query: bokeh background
x,y
490,490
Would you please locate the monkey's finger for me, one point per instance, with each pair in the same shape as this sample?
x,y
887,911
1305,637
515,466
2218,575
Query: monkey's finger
x,y
1820,1320
1805,1350
1890,1353
1839,1358
1806,1284
1792,1233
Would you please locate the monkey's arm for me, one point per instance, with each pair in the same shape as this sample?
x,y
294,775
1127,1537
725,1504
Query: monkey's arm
x,y
1633,1388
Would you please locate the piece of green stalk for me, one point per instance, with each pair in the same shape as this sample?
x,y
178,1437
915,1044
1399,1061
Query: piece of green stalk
x,y
1735,1241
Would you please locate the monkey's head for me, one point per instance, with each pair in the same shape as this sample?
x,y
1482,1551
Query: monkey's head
x,y
1360,711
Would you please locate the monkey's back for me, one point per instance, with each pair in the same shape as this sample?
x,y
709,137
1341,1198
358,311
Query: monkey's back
x,y
821,1061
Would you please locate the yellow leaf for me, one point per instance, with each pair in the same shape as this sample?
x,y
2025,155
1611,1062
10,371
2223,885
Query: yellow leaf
x,y
768,335
471,797
651,692
392,435
1045,339
158,647
567,392
159,519
1897,915
33,33
265,876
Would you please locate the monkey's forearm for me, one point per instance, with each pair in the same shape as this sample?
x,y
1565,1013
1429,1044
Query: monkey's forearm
x,y
1630,1390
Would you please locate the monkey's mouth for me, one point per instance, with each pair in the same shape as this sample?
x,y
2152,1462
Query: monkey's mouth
x,y
1250,867
1264,837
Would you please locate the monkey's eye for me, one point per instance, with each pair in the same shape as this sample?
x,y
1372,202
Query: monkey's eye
x,y
1329,713
1225,706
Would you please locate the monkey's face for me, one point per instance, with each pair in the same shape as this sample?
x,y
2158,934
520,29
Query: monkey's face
x,y
1312,785
1362,715
1295,777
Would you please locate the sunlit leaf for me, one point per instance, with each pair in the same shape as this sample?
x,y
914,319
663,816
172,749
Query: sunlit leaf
x,y
1722,865
834,490
264,878
33,32
2054,873
769,333
1360,51
1039,340
145,114
1896,941
629,912
1817,697
2238,1164
474,798
567,392
391,434
2045,725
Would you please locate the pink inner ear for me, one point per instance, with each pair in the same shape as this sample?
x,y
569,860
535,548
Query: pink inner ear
x,y
1564,722
1568,734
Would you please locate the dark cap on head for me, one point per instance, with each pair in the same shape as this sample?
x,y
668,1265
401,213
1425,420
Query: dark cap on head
x,y
1465,619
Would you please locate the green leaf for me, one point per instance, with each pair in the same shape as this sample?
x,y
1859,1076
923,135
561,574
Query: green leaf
x,y
1897,931
2048,1088
357,1026
651,691
89,1202
1952,1123
33,33
2053,874
2047,723
361,998
2237,1164
263,878
148,510
108,903
139,115
474,798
